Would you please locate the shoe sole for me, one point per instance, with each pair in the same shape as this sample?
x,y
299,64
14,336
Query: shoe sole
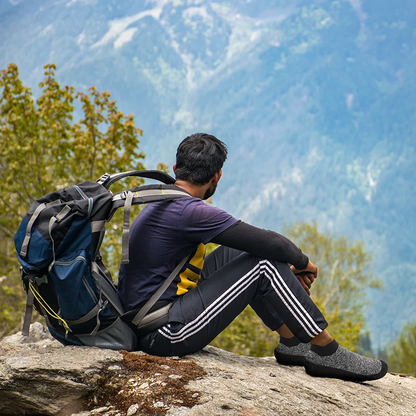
x,y
317,370
285,359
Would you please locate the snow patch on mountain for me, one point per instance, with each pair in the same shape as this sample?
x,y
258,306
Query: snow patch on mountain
x,y
118,26
125,37
268,194
87,2
201,12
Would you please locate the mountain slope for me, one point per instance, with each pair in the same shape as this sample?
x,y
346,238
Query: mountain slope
x,y
315,101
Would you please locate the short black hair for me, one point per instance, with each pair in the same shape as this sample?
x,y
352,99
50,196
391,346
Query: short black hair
x,y
199,157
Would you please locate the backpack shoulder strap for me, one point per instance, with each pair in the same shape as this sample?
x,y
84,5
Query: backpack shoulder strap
x,y
145,194
159,292
141,195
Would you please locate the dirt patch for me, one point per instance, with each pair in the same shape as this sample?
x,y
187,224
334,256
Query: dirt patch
x,y
154,384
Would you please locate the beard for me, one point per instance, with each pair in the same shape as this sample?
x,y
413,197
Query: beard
x,y
210,191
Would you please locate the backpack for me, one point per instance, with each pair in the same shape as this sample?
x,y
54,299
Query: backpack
x,y
58,245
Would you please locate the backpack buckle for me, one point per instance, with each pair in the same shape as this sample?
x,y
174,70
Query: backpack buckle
x,y
33,277
103,178
39,280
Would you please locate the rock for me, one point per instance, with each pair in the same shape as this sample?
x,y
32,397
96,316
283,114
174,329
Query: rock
x,y
43,377
37,334
246,386
114,368
132,409
99,410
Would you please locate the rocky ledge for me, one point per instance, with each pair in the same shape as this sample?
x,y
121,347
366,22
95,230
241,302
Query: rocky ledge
x,y
38,376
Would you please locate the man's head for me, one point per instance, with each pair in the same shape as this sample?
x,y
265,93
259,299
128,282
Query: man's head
x,y
199,158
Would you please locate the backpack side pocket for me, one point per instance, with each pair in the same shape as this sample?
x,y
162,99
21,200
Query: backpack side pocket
x,y
75,290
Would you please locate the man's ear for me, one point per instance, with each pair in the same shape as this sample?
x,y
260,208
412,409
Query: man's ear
x,y
174,168
217,177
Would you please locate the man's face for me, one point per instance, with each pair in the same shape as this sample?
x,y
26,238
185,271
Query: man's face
x,y
213,185
210,191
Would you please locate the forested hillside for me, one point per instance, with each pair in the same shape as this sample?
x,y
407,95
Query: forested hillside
x,y
315,100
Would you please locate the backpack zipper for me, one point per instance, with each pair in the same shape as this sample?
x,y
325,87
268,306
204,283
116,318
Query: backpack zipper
x,y
84,280
89,289
70,262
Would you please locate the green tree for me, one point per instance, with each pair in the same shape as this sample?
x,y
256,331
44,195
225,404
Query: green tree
x,y
339,291
402,354
247,335
42,149
344,276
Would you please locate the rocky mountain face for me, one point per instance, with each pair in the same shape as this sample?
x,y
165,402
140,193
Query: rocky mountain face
x,y
314,99
40,376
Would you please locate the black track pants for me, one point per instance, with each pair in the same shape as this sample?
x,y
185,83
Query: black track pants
x,y
231,280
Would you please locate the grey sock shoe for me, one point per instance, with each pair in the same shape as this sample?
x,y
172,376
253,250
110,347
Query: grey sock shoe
x,y
290,351
336,362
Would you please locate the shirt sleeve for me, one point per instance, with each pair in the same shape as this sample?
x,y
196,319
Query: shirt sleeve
x,y
201,222
262,243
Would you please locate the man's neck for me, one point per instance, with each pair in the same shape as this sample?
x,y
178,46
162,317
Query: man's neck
x,y
197,191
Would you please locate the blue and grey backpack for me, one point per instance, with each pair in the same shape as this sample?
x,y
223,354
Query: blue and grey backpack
x,y
58,245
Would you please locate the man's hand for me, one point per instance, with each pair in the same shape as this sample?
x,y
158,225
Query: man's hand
x,y
306,276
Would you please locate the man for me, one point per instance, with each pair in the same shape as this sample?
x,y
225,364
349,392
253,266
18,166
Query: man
x,y
250,267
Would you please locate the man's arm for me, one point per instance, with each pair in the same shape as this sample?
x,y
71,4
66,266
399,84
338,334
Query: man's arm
x,y
270,245
262,243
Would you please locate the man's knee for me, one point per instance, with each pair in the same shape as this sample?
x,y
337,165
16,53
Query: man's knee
x,y
281,267
218,259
